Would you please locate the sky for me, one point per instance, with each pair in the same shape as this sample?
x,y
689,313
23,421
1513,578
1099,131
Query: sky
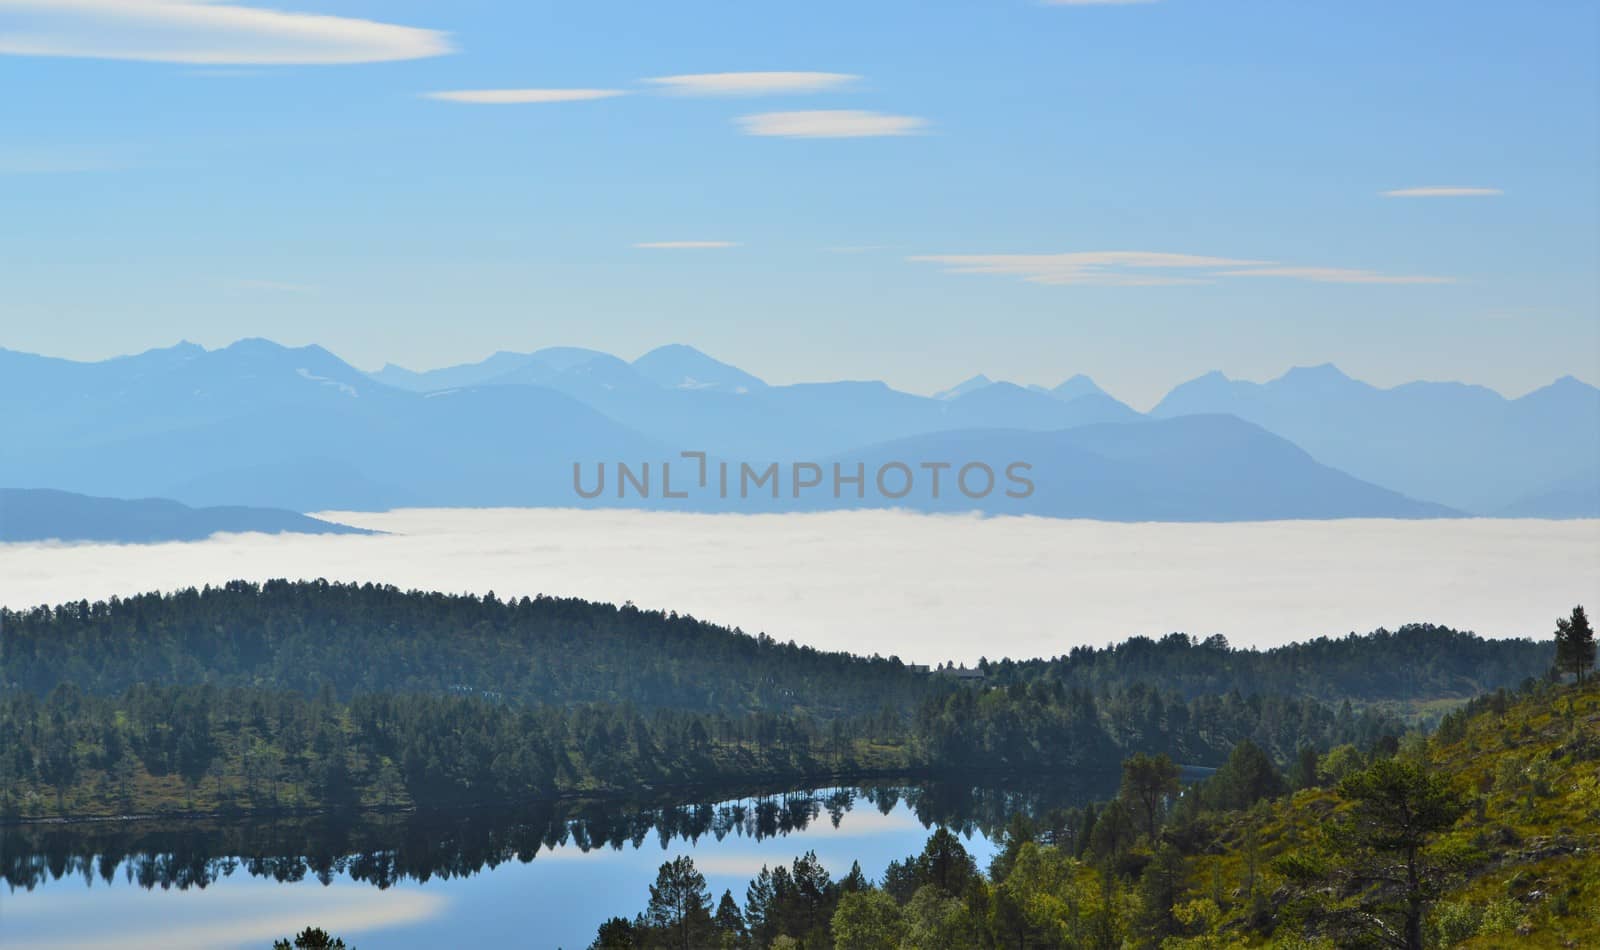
x,y
907,190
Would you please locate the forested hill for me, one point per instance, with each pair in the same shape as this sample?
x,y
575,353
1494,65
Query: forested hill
x,y
1417,662
358,639
361,639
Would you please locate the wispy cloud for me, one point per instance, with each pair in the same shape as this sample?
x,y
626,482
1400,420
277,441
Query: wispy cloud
x,y
1337,275
830,124
206,33
750,84
1090,268
685,245
515,96
1148,269
1442,191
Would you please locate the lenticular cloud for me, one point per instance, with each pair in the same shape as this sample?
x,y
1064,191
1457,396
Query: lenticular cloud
x,y
196,32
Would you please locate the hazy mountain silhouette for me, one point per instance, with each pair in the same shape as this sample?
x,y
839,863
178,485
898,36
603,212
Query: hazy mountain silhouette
x,y
1002,405
550,360
970,384
37,514
1194,468
1575,497
261,424
677,366
1078,386
1465,446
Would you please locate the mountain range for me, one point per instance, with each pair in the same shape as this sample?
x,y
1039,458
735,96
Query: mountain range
x,y
256,423
1465,446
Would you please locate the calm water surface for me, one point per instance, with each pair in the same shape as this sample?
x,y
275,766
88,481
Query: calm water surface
x,y
540,876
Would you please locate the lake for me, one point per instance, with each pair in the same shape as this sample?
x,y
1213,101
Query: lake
x,y
544,875
924,587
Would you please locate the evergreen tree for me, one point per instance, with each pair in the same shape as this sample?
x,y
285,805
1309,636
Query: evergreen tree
x,y
1146,783
615,934
312,938
1377,856
1575,647
1303,774
680,905
729,922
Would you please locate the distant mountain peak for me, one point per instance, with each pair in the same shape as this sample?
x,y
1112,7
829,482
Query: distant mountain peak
x,y
1076,386
1321,372
675,349
967,385
680,366
252,344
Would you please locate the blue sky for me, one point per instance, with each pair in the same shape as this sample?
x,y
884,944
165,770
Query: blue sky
x,y
1139,191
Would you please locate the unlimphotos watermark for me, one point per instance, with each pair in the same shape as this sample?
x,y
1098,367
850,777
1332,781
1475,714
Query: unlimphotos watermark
x,y
890,480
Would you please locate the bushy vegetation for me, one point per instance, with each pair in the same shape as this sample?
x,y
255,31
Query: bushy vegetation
x,y
1485,835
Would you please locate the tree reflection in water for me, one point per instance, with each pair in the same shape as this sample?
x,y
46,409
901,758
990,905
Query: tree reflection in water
x,y
383,849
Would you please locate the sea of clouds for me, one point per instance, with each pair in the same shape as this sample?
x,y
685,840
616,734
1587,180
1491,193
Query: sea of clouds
x,y
923,587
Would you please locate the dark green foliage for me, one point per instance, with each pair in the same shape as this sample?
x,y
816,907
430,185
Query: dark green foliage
x,y
1248,777
796,901
253,749
1161,885
1303,774
1051,727
1378,858
946,865
615,934
1147,783
311,938
1575,648
1418,661
679,913
729,922
366,638
343,696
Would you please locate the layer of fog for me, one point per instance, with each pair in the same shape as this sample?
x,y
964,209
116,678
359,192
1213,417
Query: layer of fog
x,y
922,587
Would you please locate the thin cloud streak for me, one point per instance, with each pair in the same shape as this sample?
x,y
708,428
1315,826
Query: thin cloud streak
x,y
519,96
750,84
198,32
1149,269
830,124
1089,268
1337,275
1443,191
